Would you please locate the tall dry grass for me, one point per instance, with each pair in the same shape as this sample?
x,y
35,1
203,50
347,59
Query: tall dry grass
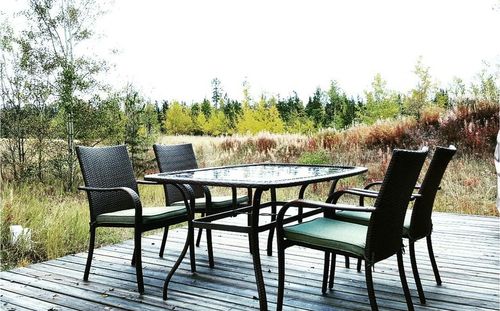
x,y
59,222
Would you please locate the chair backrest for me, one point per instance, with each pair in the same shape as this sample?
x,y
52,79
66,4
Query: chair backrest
x,y
421,221
172,158
106,167
385,229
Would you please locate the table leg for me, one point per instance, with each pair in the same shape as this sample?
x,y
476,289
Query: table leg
x,y
254,241
301,196
186,192
189,242
273,218
333,186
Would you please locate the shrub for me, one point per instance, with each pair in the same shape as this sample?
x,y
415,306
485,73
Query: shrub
x,y
315,157
264,143
473,129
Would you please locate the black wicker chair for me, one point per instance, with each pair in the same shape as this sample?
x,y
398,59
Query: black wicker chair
x,y
379,240
172,158
418,222
114,201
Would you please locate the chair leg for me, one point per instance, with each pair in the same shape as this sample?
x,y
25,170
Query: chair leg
x,y
433,260
347,262
281,276
200,231
198,239
358,266
163,241
249,224
332,271
416,275
273,218
210,249
404,284
132,261
326,264
190,243
138,261
90,254
369,286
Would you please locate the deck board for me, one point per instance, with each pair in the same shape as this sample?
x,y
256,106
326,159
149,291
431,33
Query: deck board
x,y
466,247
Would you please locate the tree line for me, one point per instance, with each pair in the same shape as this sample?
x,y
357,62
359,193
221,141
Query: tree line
x,y
53,98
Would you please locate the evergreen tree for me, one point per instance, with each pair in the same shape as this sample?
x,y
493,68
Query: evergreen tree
x,y
137,137
206,108
289,107
232,110
216,92
315,108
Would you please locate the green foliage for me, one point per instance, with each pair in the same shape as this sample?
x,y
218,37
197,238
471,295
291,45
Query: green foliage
x,y
232,110
216,92
340,111
290,107
299,123
421,95
441,99
315,108
315,157
140,129
487,87
206,108
380,103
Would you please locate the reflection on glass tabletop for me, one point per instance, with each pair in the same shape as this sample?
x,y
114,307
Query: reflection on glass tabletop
x,y
260,174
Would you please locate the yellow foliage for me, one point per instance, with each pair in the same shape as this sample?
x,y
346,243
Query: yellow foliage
x,y
178,120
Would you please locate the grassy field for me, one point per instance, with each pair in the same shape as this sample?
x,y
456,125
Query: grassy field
x,y
59,220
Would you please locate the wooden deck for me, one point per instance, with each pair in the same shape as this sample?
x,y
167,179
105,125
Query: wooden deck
x,y
467,250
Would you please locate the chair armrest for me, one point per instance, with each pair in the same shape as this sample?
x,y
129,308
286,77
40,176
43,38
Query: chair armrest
x,y
415,196
372,184
362,193
147,182
319,208
418,186
208,198
134,197
342,207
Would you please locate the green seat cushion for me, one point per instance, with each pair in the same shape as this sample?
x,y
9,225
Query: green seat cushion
x,y
217,202
363,219
149,215
330,233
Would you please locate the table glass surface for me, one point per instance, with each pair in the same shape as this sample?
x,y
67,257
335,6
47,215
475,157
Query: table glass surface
x,y
257,173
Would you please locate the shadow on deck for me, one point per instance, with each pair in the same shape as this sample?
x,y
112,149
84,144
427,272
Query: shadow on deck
x,y
466,247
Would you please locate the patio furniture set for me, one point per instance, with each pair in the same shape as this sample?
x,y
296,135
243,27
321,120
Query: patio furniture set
x,y
370,233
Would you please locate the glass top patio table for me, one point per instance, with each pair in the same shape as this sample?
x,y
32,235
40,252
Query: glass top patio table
x,y
261,177
265,175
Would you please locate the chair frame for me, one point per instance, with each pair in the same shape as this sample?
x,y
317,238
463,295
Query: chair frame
x,y
134,202
198,191
374,252
422,211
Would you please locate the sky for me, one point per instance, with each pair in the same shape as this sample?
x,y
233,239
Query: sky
x,y
173,49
